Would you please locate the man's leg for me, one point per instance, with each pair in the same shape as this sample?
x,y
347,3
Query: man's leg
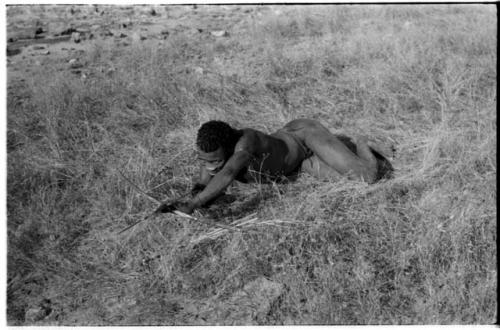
x,y
333,152
319,169
384,166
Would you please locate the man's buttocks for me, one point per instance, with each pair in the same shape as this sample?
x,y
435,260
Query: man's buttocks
x,y
296,152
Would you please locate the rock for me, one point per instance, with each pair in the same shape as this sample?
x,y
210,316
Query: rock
x,y
164,34
34,314
39,30
198,70
38,313
126,24
110,71
22,34
68,31
76,37
106,33
47,52
82,30
138,37
74,11
38,47
11,51
152,12
56,28
75,64
84,33
221,33
246,307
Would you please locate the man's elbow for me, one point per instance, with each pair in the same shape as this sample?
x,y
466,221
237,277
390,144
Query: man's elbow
x,y
228,174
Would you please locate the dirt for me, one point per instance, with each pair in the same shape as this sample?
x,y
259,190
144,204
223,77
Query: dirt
x,y
53,35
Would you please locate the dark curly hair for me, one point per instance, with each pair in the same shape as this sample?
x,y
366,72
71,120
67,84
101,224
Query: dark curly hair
x,y
214,134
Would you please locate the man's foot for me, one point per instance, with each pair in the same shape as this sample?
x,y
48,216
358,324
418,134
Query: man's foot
x,y
364,152
361,140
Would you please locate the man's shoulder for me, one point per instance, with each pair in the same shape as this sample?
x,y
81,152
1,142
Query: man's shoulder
x,y
249,131
250,140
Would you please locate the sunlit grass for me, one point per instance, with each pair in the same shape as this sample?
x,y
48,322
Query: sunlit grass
x,y
417,249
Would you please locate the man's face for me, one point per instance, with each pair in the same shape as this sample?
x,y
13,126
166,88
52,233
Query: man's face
x,y
212,161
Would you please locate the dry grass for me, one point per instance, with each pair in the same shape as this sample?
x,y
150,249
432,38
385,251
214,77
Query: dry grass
x,y
418,249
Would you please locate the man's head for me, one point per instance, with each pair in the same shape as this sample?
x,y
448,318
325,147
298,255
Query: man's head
x,y
215,142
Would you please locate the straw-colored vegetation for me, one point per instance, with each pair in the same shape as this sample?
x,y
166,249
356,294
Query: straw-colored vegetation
x,y
417,249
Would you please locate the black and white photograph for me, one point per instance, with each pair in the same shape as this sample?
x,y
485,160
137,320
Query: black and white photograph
x,y
250,164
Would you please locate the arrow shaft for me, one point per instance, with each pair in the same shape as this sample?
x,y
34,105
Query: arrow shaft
x,y
137,187
135,223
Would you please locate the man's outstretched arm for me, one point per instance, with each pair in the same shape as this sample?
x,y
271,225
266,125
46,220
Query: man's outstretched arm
x,y
222,179
201,182
215,186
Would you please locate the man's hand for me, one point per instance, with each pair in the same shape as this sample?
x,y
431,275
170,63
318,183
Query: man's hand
x,y
165,208
184,207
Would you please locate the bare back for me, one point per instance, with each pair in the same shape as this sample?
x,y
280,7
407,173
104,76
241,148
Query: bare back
x,y
273,156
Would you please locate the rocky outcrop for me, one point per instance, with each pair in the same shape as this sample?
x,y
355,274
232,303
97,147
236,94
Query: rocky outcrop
x,y
219,34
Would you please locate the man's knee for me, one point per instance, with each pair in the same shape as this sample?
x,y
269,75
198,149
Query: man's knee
x,y
305,129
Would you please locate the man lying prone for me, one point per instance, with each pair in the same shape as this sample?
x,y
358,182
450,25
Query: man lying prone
x,y
248,155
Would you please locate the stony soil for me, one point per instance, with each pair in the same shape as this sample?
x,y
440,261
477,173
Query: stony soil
x,y
59,35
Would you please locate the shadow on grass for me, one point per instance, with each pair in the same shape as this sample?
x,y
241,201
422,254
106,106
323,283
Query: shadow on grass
x,y
228,208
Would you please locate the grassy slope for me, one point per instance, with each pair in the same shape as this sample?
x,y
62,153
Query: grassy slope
x,y
417,249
